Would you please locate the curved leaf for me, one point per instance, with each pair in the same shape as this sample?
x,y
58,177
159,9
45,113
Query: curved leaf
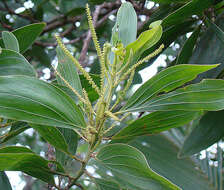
x,y
13,63
10,41
166,81
130,165
208,131
125,28
27,35
16,129
161,153
106,184
68,71
154,123
31,100
206,95
194,7
53,136
23,159
187,50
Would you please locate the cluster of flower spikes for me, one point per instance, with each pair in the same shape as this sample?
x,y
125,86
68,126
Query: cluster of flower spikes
x,y
112,74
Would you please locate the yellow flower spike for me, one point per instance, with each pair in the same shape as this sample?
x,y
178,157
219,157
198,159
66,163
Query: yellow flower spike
x,y
88,103
70,87
110,114
94,37
77,64
153,54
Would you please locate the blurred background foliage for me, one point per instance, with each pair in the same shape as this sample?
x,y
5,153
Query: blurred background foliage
x,y
193,34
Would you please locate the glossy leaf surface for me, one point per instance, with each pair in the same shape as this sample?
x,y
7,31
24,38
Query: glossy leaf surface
x,y
23,159
13,63
208,131
187,50
166,81
130,165
161,153
206,95
106,184
125,28
53,136
27,35
35,101
154,123
68,71
10,41
194,7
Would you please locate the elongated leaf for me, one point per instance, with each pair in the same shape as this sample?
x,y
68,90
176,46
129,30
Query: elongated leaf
x,y
53,136
166,81
154,123
187,50
208,131
169,36
71,139
16,129
27,35
209,50
68,71
217,30
13,63
106,184
35,101
4,181
125,28
10,41
23,159
206,95
131,167
161,153
145,41
194,7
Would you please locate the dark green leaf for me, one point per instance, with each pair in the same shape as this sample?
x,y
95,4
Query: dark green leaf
x,y
209,50
53,136
154,123
10,41
208,131
165,81
68,71
217,30
187,50
13,63
16,129
4,182
27,35
194,7
91,91
161,153
23,159
35,101
207,95
106,184
71,139
130,165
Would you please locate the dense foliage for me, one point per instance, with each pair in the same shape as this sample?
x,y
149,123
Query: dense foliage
x,y
68,78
